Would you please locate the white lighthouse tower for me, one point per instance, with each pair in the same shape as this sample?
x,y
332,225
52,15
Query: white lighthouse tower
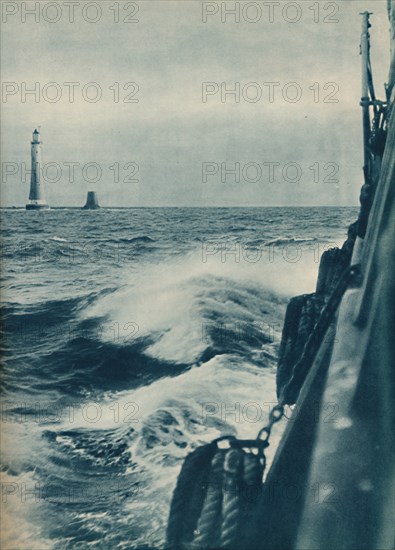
x,y
36,196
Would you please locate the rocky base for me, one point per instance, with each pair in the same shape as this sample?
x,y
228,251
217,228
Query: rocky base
x,y
37,207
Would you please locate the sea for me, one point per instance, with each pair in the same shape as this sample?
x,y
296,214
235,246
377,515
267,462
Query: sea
x,y
130,336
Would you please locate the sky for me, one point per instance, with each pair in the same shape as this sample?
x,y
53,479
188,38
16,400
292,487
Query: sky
x,y
151,124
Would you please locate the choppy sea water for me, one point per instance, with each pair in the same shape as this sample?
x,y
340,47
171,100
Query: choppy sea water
x,y
130,336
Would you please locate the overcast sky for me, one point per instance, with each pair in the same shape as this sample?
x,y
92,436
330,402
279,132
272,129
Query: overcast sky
x,y
164,139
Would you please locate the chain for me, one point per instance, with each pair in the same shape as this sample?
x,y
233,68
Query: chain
x,y
275,416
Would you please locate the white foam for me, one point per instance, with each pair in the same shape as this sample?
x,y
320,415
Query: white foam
x,y
222,396
18,528
58,239
167,301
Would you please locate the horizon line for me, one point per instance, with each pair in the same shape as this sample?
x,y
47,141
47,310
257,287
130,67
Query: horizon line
x,y
13,207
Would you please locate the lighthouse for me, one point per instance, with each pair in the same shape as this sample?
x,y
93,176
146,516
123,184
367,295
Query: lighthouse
x,y
36,196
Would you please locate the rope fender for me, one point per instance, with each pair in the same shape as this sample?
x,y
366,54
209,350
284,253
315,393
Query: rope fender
x,y
207,533
188,496
231,498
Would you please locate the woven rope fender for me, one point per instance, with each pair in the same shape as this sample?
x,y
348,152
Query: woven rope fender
x,y
188,496
252,479
252,494
216,495
208,529
231,508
